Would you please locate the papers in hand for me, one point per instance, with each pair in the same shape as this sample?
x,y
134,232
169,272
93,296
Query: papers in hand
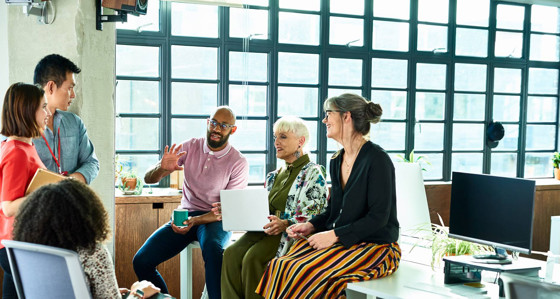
x,y
43,177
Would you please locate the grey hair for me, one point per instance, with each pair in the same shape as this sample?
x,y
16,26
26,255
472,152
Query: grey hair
x,y
292,124
364,112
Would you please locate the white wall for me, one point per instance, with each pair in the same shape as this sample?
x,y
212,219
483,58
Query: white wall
x,y
73,35
4,62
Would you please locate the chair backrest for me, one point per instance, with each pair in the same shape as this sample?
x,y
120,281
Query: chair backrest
x,y
41,271
517,287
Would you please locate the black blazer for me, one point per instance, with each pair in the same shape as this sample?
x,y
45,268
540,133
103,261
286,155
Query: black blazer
x,y
366,210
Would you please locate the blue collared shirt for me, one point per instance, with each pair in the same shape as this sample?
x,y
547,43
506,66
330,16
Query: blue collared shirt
x,y
76,149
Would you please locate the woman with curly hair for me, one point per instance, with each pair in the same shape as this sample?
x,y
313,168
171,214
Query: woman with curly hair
x,y
24,116
355,239
70,215
297,191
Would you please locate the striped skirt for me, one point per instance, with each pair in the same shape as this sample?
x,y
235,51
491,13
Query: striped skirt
x,y
308,273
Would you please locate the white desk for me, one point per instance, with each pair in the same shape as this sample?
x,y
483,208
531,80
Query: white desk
x,y
413,280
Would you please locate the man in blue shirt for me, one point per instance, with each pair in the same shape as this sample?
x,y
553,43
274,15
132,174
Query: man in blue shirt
x,y
64,147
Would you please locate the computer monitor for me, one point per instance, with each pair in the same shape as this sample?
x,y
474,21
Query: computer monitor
x,y
492,210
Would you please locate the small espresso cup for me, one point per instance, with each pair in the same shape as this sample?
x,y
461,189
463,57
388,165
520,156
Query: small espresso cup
x,y
179,216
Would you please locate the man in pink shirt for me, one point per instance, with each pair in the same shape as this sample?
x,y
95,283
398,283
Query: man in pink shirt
x,y
210,164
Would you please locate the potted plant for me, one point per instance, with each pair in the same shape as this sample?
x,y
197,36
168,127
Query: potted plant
x,y
556,163
414,159
130,183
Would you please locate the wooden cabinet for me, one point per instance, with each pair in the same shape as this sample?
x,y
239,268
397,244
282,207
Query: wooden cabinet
x,y
136,218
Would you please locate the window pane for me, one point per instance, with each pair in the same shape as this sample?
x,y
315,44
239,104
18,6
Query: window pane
x,y
541,137
390,36
473,12
137,163
507,80
430,76
136,133
471,42
433,11
194,62
466,162
290,28
346,31
434,171
469,107
504,164
509,44
432,38
298,68
137,96
250,135
314,5
333,92
351,7
386,9
257,167
194,20
389,73
510,17
312,142
392,102
299,101
428,136
345,72
537,165
248,99
332,146
184,129
137,61
389,136
542,109
468,136
148,22
252,23
470,77
544,47
245,66
506,108
543,81
430,106
545,18
510,140
193,98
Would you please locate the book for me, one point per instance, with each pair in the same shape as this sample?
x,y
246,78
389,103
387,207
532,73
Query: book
x,y
43,177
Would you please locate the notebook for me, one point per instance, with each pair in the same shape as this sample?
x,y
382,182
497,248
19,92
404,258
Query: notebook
x,y
43,177
244,209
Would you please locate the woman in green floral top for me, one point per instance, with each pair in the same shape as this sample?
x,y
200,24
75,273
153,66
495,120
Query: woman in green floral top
x,y
297,192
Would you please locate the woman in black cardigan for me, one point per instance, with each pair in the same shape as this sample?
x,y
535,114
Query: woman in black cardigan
x,y
355,239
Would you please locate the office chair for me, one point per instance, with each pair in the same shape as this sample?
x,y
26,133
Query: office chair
x,y
41,271
517,287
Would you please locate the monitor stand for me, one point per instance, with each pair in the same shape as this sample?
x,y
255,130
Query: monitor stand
x,y
500,257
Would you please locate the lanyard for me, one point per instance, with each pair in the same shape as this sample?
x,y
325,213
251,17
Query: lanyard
x,y
57,161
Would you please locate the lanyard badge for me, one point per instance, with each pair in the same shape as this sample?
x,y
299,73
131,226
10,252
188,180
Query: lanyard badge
x,y
57,161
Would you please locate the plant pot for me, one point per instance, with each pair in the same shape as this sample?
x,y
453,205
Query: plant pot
x,y
557,173
129,183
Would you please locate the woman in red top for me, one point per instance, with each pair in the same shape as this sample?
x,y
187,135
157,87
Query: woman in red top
x,y
24,116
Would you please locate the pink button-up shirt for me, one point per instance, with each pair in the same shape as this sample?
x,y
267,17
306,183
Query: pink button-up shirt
x,y
207,172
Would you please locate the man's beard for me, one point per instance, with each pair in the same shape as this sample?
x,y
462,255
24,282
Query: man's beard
x,y
216,144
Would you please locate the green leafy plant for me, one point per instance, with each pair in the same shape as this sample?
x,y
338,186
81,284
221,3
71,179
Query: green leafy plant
x,y
556,160
130,183
415,159
118,168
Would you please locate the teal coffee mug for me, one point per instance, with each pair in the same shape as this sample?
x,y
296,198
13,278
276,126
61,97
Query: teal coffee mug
x,y
179,216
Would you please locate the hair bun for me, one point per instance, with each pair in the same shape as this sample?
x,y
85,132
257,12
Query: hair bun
x,y
373,112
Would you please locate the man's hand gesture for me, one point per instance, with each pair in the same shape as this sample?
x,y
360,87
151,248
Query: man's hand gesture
x,y
170,158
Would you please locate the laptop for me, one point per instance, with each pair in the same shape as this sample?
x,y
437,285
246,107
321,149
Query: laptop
x,y
244,209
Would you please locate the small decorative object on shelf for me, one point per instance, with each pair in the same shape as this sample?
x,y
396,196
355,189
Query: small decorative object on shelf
x,y
130,184
556,163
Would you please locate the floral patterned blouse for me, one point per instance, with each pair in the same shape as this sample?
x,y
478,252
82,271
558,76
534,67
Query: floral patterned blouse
x,y
307,197
100,273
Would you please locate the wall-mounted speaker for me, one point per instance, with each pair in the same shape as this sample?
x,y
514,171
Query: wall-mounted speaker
x,y
135,7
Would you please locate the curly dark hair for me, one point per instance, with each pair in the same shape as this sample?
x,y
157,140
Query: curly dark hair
x,y
67,214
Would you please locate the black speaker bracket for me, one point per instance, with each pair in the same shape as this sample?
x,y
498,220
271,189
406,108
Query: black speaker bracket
x,y
100,18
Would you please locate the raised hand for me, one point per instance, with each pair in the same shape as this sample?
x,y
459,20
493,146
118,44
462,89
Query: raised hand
x,y
170,157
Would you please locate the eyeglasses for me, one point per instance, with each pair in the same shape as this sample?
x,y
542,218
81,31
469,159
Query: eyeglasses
x,y
213,124
329,111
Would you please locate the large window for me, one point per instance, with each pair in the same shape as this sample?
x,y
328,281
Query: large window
x,y
442,70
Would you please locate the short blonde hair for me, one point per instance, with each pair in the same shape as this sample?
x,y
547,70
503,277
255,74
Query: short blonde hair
x,y
292,124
